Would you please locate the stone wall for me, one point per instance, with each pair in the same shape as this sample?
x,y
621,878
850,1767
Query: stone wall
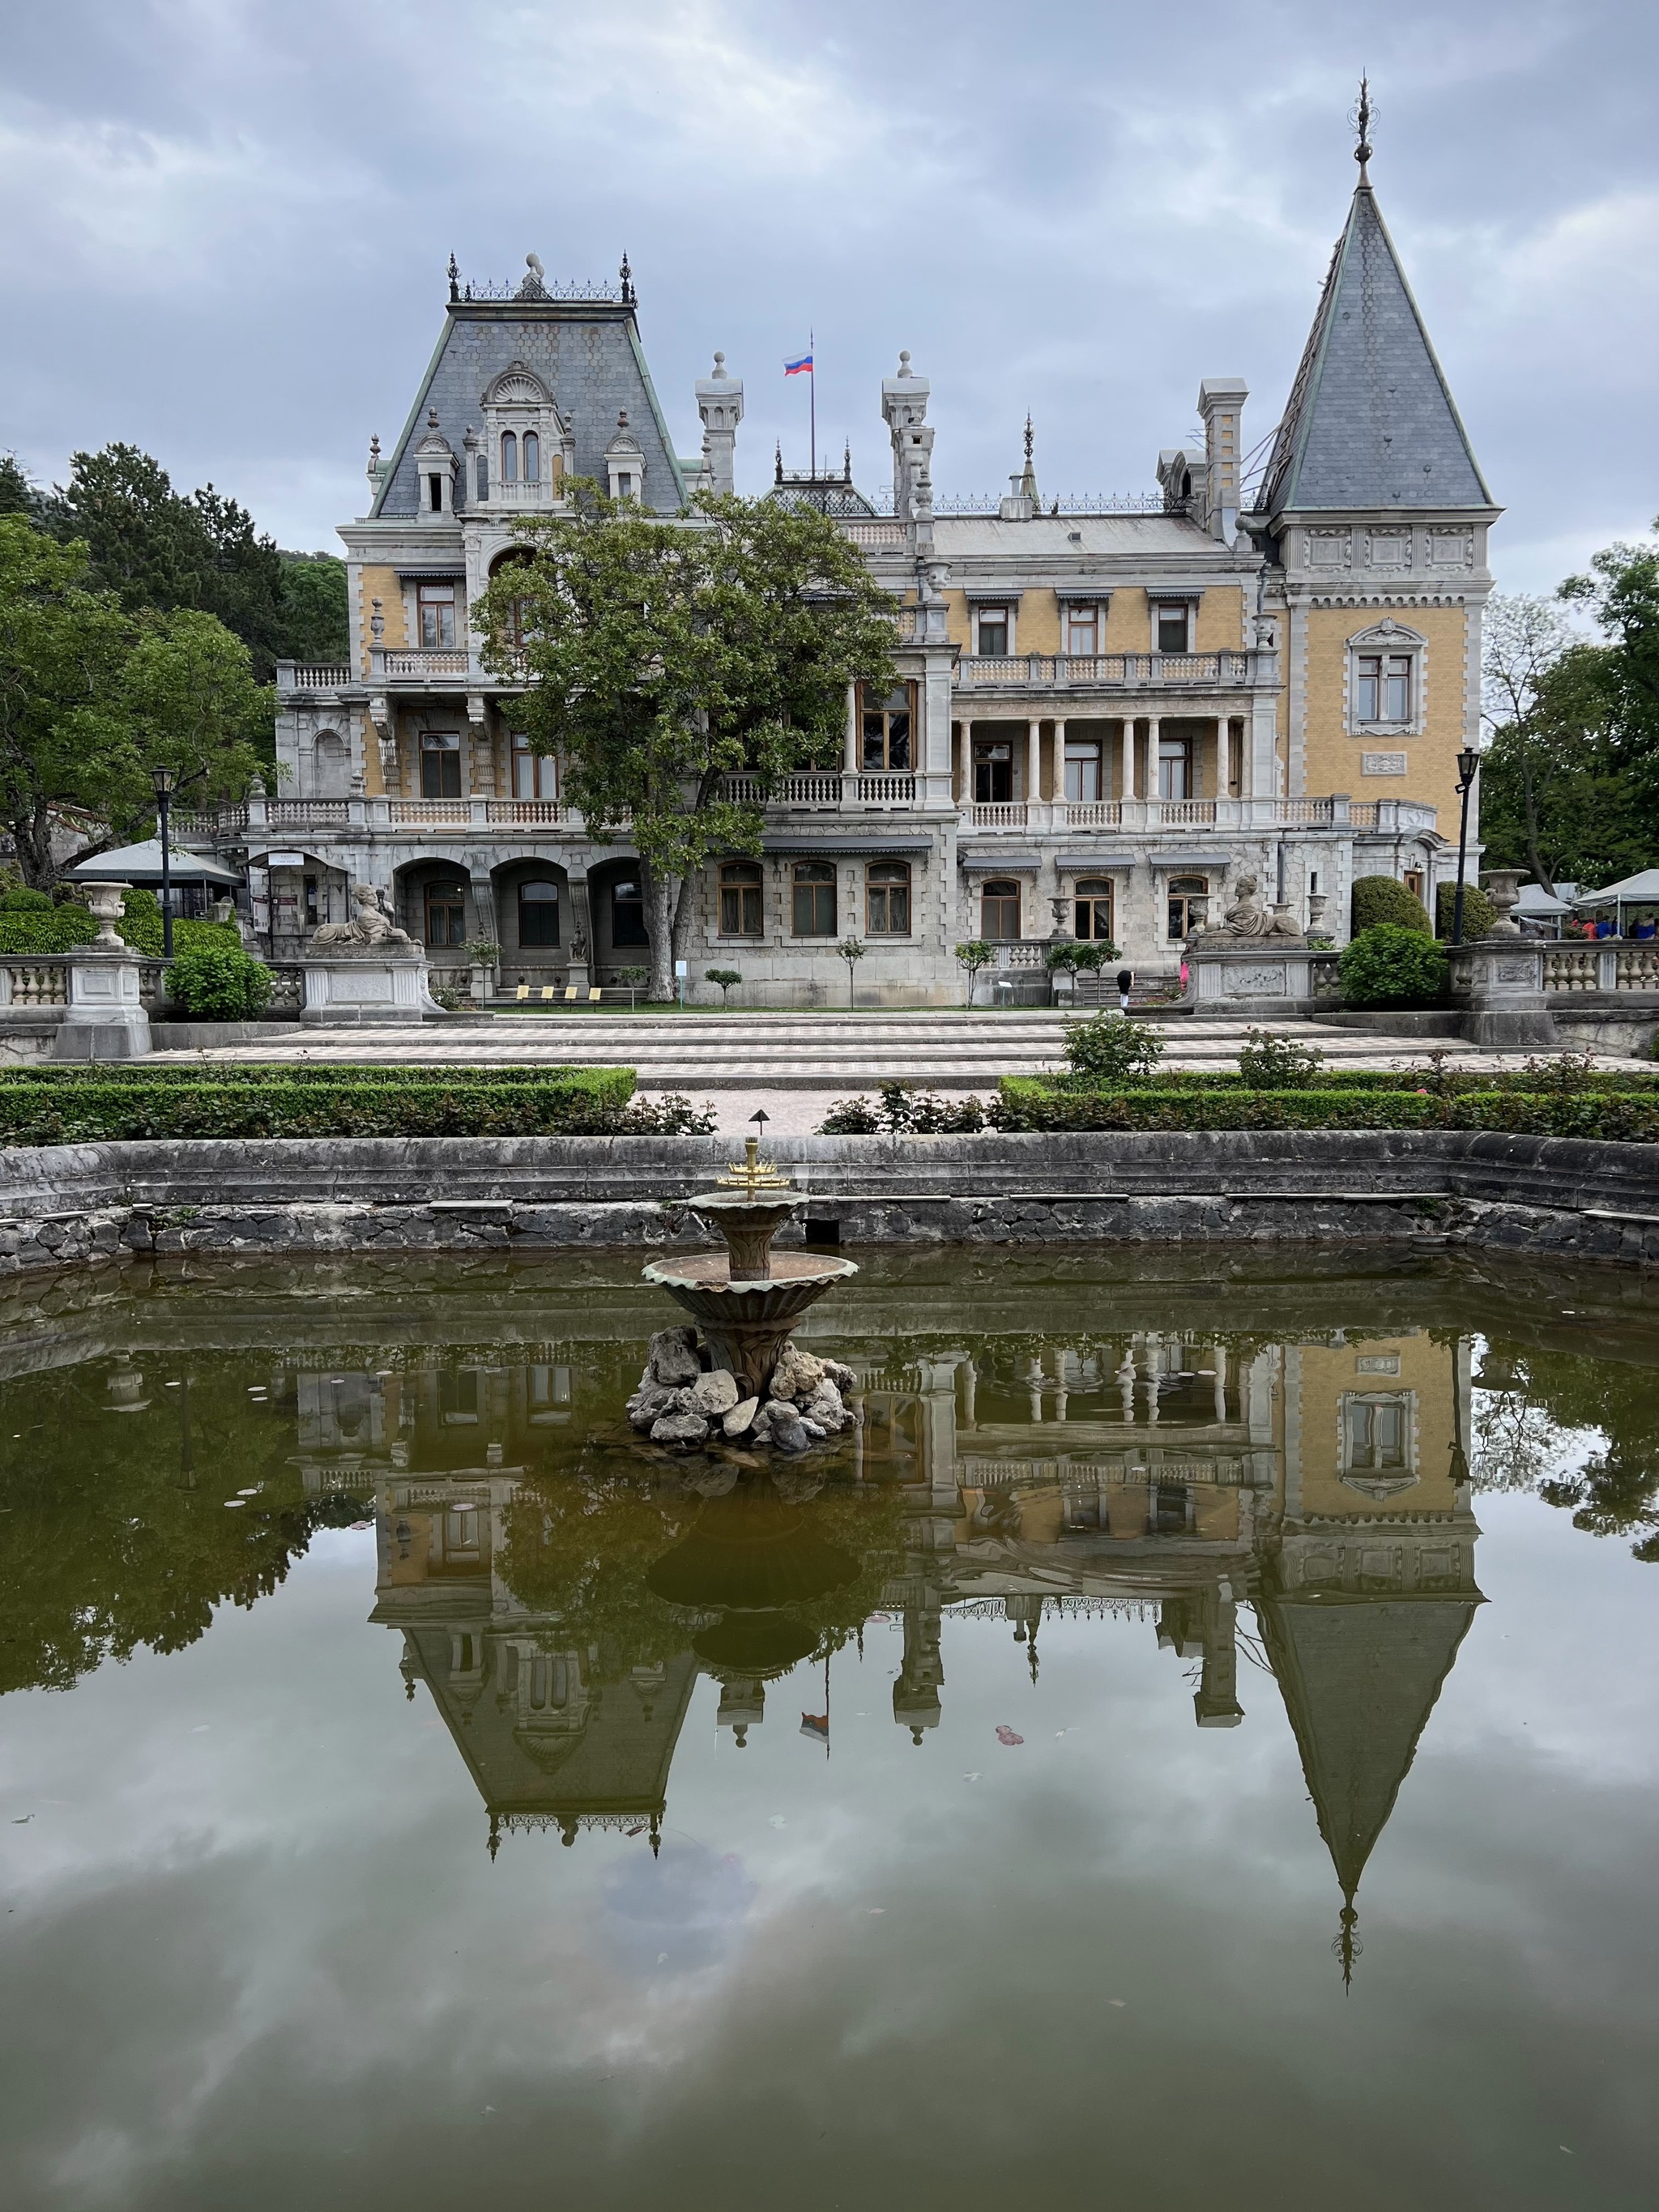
x,y
64,1204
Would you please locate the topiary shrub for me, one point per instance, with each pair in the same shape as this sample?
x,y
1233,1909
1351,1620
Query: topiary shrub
x,y
1386,966
1479,912
218,983
1269,1062
1381,899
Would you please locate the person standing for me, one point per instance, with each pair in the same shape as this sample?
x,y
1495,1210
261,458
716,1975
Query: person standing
x,y
1126,983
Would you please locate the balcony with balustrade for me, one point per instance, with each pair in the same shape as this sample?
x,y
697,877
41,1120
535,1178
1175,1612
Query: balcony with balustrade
x,y
1390,816
1114,675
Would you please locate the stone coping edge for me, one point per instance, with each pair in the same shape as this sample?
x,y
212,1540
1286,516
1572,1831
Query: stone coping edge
x,y
62,1205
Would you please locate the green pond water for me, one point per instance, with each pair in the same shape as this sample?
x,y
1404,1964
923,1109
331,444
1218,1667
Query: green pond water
x,y
1195,1744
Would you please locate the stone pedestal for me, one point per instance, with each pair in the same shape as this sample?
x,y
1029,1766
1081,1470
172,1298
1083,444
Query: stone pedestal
x,y
1498,985
374,985
104,1019
1272,980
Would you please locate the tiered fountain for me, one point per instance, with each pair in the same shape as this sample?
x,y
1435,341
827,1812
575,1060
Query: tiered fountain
x,y
746,1300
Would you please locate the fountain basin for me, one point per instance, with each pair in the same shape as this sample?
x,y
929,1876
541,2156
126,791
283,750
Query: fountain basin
x,y
746,1323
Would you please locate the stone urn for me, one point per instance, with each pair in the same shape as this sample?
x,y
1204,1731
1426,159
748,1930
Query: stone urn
x,y
107,903
1502,887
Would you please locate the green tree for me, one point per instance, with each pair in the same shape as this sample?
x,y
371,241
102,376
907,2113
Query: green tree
x,y
19,493
316,625
93,696
665,655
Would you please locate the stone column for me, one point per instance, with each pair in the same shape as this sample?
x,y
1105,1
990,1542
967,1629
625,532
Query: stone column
x,y
1154,723
1033,758
1218,1353
969,1375
1059,774
1034,1384
1223,756
964,733
850,751
581,929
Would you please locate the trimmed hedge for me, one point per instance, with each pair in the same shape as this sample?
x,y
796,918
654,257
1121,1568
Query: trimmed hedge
x,y
1387,965
325,1074
1447,1080
97,1107
32,923
1479,912
1629,1116
1378,899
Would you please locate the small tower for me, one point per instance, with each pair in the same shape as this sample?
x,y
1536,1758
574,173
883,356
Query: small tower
x,y
904,408
719,403
625,464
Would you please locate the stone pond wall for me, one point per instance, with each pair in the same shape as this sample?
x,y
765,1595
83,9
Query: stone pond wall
x,y
60,1205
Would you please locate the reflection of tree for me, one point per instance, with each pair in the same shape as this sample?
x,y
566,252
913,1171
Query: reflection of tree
x,y
578,1545
1615,1491
107,1544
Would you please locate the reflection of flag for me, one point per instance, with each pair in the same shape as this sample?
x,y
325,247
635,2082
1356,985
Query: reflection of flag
x,y
803,366
815,1725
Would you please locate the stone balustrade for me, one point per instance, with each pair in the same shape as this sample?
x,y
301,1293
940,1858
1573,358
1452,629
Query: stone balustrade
x,y
1621,964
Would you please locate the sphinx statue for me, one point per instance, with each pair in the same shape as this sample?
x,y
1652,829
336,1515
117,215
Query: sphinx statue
x,y
1247,921
368,929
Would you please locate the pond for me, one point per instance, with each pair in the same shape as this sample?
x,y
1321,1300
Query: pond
x,y
1196,1740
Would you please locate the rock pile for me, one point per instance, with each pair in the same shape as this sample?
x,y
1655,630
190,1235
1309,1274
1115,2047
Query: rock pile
x,y
682,1403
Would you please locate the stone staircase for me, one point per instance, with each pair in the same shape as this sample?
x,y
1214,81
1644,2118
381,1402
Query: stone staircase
x,y
956,1050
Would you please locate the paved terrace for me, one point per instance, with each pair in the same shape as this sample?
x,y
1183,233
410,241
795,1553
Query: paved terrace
x,y
793,1064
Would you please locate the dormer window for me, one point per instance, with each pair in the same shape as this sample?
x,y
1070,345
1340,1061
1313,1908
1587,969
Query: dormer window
x,y
509,457
532,458
435,493
531,443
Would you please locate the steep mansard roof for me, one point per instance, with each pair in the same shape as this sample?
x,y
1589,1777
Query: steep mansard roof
x,y
1370,421
586,353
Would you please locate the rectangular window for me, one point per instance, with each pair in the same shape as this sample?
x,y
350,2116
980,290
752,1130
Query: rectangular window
x,y
437,603
624,486
1188,903
1083,774
1174,768
535,775
741,899
814,899
999,912
538,913
994,773
1174,626
628,914
886,726
1093,911
441,765
1083,631
887,898
1378,1438
1383,687
435,494
446,913
990,630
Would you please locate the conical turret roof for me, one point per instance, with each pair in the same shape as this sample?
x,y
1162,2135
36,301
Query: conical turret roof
x,y
1371,422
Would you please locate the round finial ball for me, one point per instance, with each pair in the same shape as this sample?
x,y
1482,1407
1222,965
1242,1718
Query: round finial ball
x,y
904,360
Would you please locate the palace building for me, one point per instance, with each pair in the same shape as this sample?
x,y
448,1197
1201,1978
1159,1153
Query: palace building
x,y
1107,712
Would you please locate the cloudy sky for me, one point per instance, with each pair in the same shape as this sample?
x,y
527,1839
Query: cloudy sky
x,y
228,222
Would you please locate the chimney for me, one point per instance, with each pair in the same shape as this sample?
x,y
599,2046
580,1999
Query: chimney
x,y
1221,404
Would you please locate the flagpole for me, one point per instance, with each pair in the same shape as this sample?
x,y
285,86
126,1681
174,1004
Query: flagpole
x,y
813,384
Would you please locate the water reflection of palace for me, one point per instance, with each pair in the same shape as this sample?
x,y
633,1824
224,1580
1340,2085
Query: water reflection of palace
x,y
1172,1474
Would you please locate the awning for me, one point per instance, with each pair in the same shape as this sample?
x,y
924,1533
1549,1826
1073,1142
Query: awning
x,y
998,863
142,864
1094,864
837,848
1211,858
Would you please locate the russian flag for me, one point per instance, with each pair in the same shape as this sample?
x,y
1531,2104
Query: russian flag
x,y
801,367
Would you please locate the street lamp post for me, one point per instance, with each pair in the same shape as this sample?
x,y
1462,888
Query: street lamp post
x,y
165,782
1468,767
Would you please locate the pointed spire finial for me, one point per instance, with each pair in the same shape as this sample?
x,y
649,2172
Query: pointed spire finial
x,y
1361,119
627,275
454,279
1347,1945
1029,436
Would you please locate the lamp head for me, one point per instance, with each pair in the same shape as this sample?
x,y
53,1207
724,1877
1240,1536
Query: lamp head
x,y
165,779
1469,764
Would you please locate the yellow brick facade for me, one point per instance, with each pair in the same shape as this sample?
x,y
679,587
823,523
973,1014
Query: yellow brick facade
x,y
1333,755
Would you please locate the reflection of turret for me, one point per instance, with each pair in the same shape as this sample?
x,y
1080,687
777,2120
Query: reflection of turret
x,y
1201,1624
1362,1636
742,1705
915,1694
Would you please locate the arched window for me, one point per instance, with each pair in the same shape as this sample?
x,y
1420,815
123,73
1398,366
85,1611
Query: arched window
x,y
509,457
446,913
1188,904
535,775
814,898
1093,899
887,896
740,898
538,913
999,912
627,913
532,458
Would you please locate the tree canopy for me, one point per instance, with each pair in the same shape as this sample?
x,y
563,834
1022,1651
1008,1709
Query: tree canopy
x,y
93,696
154,547
1569,789
668,655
